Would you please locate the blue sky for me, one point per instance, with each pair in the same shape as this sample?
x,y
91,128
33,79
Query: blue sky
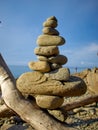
x,y
22,23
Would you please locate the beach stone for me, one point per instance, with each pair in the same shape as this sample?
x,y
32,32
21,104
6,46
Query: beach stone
x,y
61,74
41,66
50,31
50,40
49,102
50,23
73,87
46,50
34,77
58,114
59,59
52,18
55,66
42,58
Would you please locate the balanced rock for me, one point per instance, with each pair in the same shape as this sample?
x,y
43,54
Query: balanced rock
x,y
73,87
51,22
46,50
55,66
42,58
59,59
34,77
52,18
50,40
49,82
50,31
49,102
41,66
62,74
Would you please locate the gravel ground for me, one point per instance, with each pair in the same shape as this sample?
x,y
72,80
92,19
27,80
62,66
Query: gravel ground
x,y
83,118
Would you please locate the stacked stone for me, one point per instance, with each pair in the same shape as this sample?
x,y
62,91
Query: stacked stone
x,y
49,82
49,59
48,51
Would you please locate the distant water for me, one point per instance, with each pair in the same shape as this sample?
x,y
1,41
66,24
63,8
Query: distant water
x,y
17,70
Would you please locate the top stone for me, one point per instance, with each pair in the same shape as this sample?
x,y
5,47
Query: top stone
x,y
52,18
51,22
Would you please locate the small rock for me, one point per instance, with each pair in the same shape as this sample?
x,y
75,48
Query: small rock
x,y
50,23
58,114
61,74
42,58
59,59
50,31
55,66
41,66
49,102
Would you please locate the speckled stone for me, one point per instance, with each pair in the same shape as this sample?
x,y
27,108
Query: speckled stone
x,y
61,74
46,50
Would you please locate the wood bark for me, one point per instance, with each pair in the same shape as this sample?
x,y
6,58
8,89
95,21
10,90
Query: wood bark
x,y
80,103
28,111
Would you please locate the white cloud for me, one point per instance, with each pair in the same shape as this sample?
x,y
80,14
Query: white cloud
x,y
93,47
82,56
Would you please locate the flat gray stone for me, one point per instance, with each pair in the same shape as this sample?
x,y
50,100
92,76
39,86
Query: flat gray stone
x,y
61,74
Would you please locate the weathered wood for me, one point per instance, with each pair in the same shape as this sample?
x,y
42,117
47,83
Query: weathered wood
x,y
25,109
80,103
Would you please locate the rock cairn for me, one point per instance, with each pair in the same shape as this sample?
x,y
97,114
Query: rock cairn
x,y
49,82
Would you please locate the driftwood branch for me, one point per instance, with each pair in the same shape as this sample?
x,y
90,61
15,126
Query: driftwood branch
x,y
80,103
25,109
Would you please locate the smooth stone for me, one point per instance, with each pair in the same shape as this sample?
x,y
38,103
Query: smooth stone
x,y
50,23
34,77
54,66
59,114
49,102
73,87
52,18
46,50
50,40
59,59
42,58
50,31
61,74
41,66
